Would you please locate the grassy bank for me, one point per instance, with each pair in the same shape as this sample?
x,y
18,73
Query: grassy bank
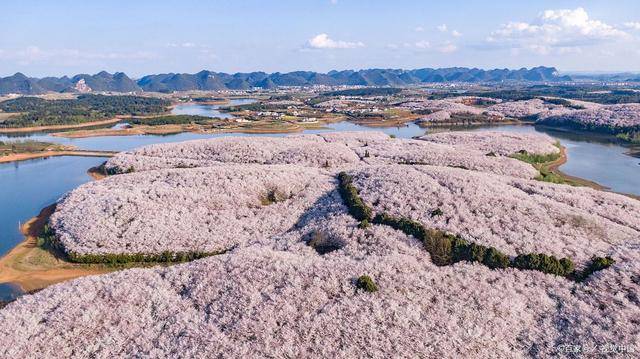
x,y
32,267
549,167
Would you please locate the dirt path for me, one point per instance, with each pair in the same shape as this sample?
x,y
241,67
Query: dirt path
x,y
62,127
32,155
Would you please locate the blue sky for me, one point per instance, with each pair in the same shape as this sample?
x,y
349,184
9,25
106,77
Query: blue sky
x,y
42,38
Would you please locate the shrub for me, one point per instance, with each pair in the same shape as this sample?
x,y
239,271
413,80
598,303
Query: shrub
x,y
405,225
272,196
534,158
596,264
171,120
364,224
323,243
471,252
436,212
544,263
495,259
366,283
123,258
549,176
357,208
440,247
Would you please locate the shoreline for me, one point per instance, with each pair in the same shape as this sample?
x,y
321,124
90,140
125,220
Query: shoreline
x,y
165,130
97,173
132,131
32,268
62,127
464,125
45,154
554,167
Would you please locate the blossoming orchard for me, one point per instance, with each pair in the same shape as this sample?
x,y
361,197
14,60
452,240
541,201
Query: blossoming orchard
x,y
288,271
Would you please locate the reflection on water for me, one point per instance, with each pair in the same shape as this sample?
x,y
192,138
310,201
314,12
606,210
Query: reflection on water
x,y
197,109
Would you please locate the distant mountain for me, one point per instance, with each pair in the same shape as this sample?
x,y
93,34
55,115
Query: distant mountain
x,y
606,77
20,83
103,81
208,80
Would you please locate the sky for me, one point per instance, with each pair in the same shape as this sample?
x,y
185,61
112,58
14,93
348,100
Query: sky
x,y
64,37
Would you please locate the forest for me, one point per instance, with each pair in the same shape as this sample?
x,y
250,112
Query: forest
x,y
34,111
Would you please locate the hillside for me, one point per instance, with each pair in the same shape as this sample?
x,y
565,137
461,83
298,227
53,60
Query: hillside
x,y
336,245
103,81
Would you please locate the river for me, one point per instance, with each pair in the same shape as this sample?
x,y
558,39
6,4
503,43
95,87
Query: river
x,y
28,186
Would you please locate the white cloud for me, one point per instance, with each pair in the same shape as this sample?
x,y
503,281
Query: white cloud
x,y
322,41
448,48
422,44
333,2
633,25
418,29
184,45
445,29
34,54
208,54
556,29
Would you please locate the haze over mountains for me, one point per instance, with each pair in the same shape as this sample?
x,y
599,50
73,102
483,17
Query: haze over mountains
x,y
207,80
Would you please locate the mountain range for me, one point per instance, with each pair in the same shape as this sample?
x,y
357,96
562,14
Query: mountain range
x,y
208,80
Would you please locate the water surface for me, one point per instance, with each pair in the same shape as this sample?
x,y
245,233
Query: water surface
x,y
9,292
198,109
28,186
595,157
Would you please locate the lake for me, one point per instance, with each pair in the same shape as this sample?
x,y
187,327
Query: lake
x,y
197,109
9,292
594,157
28,186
